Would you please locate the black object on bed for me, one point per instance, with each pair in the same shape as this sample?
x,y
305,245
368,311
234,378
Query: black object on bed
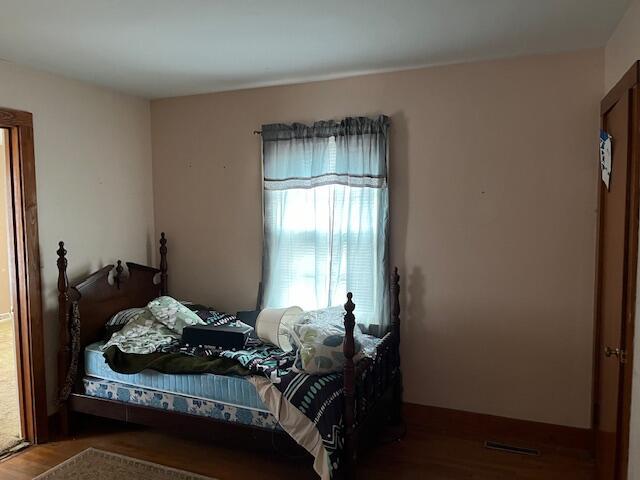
x,y
226,337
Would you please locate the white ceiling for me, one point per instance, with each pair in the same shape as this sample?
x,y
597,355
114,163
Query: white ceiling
x,y
160,48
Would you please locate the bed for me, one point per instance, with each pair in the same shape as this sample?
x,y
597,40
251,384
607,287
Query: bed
x,y
217,406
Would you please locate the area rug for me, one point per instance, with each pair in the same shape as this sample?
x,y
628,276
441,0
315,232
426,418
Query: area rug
x,y
94,464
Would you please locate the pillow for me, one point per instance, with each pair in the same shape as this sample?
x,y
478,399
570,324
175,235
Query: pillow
x,y
120,319
173,314
209,315
319,336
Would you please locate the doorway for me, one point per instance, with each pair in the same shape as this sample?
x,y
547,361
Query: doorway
x,y
25,407
10,424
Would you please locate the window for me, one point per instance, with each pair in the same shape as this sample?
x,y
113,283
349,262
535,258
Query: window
x,y
325,219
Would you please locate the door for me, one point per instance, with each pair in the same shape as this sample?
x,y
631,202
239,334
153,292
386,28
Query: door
x,y
615,296
24,267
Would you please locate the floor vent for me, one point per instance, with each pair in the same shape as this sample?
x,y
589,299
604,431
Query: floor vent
x,y
503,447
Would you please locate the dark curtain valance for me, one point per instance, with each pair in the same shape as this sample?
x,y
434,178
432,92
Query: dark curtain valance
x,y
326,128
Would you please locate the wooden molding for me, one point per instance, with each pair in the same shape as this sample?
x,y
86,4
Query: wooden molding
x,y
25,273
489,427
15,118
630,79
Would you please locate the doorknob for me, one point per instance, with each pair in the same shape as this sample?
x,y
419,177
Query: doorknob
x,y
615,352
609,352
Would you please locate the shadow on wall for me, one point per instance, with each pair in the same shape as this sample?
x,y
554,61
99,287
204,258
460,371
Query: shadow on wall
x,y
413,323
399,198
416,291
412,284
151,248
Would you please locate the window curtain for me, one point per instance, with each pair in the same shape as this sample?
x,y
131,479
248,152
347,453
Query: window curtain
x,y
326,216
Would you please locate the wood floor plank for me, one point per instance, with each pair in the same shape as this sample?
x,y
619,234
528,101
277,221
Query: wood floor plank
x,y
420,455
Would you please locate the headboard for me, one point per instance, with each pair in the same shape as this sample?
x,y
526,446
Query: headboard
x,y
97,300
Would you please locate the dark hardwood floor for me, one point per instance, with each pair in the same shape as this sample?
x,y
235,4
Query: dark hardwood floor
x,y
420,455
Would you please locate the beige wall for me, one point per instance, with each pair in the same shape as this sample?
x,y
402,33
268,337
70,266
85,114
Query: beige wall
x,y
93,172
623,48
5,289
493,191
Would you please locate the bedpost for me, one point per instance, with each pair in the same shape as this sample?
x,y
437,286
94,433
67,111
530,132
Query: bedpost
x,y
64,349
348,348
164,289
396,414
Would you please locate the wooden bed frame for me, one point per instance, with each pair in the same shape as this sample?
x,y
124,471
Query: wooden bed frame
x,y
372,388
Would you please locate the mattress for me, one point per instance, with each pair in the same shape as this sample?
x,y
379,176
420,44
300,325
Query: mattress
x,y
146,397
223,389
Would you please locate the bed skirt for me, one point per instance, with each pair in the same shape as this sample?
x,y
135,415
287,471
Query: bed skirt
x,y
96,387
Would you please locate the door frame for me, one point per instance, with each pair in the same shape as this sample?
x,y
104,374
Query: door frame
x,y
24,266
628,85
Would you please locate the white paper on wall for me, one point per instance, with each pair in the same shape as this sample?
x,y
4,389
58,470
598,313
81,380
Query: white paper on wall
x,y
605,157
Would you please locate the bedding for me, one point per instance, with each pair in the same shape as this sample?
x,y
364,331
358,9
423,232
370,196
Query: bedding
x,y
143,334
172,314
209,315
291,396
159,325
309,407
318,336
170,362
119,320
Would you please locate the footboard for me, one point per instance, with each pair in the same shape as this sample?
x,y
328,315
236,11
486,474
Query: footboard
x,y
369,384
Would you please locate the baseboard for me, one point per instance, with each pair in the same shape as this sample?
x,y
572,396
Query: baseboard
x,y
489,427
475,426
54,430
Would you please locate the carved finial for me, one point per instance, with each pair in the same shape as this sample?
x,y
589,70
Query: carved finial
x,y
163,265
349,306
63,282
349,323
117,278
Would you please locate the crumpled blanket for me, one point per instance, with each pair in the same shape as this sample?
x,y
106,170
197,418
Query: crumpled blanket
x,y
176,362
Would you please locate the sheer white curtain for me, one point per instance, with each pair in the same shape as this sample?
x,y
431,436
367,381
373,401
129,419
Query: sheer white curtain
x,y
326,216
